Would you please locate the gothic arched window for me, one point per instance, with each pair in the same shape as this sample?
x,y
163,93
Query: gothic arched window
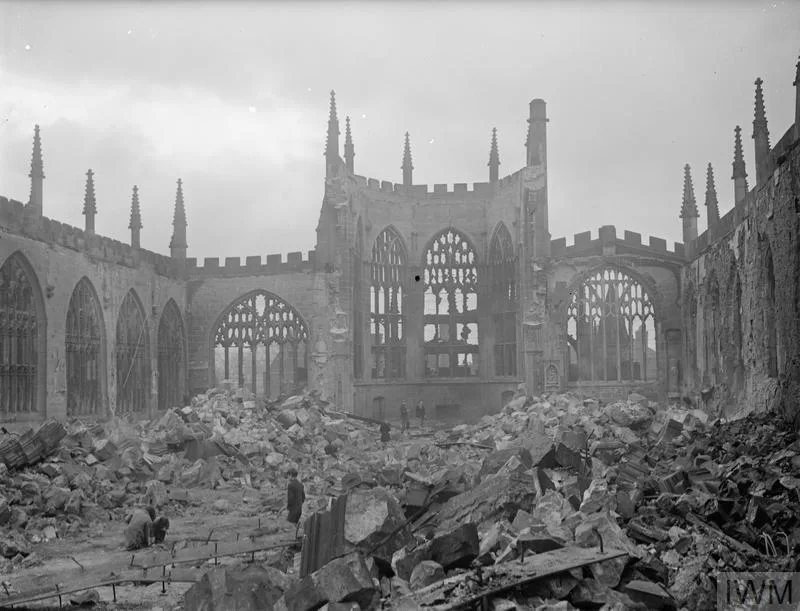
x,y
451,306
769,311
85,349
264,341
133,357
611,329
171,358
712,329
358,316
505,302
386,307
21,339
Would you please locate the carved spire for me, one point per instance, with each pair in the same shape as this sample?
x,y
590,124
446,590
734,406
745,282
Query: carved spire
x,y
712,205
494,159
739,173
89,202
332,141
689,212
689,207
177,244
761,135
797,101
349,149
136,219
36,174
407,166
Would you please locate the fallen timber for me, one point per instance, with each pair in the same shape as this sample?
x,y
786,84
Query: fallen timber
x,y
478,585
144,567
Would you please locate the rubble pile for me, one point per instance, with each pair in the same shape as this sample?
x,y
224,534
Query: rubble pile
x,y
679,499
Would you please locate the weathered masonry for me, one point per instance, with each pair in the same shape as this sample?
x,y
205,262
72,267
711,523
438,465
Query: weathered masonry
x,y
453,295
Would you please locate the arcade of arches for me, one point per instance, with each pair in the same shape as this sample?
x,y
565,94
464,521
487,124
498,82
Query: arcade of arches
x,y
23,350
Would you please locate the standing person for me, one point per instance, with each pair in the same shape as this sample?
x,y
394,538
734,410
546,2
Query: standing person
x,y
385,428
295,497
404,416
421,413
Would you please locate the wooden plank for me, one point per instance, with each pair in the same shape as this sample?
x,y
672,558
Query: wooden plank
x,y
204,552
510,575
148,568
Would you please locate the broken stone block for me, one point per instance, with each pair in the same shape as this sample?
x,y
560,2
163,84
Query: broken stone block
x,y
244,588
495,498
104,450
597,498
537,544
5,511
286,418
13,544
612,535
608,572
456,549
539,446
344,579
496,460
373,516
426,573
650,594
590,592
56,498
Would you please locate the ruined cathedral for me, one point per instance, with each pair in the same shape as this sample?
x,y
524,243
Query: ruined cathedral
x,y
450,294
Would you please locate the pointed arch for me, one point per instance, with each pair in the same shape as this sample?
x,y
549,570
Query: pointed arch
x,y
358,297
611,334
23,341
736,370
450,264
387,294
85,349
133,357
505,300
171,357
712,328
770,315
264,342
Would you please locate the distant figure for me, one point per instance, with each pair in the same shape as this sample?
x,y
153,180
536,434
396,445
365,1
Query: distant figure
x,y
404,419
295,497
421,413
140,528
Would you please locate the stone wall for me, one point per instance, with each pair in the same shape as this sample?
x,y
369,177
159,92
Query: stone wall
x,y
733,354
59,256
209,297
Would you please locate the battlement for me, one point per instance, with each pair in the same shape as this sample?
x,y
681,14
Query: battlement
x,y
253,265
459,190
607,242
15,218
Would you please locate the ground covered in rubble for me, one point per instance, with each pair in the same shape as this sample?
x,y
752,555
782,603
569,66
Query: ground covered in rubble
x,y
641,505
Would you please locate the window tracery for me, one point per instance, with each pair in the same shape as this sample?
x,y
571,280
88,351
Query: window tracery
x,y
263,341
505,302
387,315
84,351
611,329
19,338
133,357
451,306
171,358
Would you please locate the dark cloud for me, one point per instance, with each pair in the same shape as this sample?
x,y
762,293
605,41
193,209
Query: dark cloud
x,y
634,92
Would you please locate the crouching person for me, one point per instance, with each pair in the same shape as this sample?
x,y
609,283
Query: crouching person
x,y
160,528
140,528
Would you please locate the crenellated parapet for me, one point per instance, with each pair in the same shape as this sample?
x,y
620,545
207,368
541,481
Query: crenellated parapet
x,y
15,219
252,266
457,191
607,243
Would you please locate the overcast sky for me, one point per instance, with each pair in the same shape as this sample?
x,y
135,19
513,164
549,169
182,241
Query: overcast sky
x,y
233,99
